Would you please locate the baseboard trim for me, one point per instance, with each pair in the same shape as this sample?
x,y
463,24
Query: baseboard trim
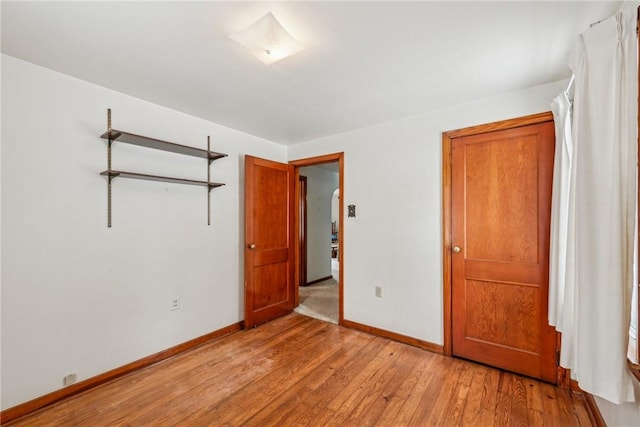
x,y
594,410
322,279
425,345
26,408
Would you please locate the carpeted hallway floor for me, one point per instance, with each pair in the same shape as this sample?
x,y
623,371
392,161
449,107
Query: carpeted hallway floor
x,y
320,301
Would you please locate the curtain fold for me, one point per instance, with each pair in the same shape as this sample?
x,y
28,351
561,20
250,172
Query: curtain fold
x,y
591,297
560,313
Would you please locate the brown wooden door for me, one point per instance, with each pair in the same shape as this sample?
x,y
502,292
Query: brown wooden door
x,y
501,204
302,230
269,254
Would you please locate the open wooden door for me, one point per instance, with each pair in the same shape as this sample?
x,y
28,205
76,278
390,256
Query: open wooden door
x,y
269,251
302,231
500,215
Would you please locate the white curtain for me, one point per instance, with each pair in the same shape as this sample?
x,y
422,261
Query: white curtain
x,y
560,314
591,297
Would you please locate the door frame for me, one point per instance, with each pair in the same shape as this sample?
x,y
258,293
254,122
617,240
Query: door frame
x,y
447,138
315,161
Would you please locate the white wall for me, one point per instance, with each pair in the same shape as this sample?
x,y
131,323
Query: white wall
x,y
320,187
393,176
625,415
76,295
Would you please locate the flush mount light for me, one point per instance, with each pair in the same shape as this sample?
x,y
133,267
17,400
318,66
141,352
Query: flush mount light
x,y
267,40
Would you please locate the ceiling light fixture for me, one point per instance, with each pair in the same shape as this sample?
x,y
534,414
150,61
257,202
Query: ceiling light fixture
x,y
267,40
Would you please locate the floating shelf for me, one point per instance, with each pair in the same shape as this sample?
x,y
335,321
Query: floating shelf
x,y
113,135
134,175
158,144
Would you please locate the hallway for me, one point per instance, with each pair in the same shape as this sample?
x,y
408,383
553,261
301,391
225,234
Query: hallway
x,y
320,301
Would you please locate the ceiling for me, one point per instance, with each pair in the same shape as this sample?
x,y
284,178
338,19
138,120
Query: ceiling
x,y
365,62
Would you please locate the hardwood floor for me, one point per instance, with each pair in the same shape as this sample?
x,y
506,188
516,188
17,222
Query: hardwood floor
x,y
298,371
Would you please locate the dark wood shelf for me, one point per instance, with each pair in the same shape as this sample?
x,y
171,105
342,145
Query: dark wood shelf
x,y
158,144
113,135
134,175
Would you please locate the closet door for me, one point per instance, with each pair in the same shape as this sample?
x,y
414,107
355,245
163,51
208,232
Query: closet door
x,y
500,218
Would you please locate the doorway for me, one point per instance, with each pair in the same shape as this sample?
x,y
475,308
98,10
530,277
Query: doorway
x,y
302,231
319,244
335,232
497,203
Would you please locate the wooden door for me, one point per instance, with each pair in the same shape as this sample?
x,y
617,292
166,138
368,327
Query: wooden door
x,y
269,254
302,230
500,216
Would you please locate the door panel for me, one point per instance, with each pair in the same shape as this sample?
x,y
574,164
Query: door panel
x,y
501,204
515,308
493,165
269,285
269,289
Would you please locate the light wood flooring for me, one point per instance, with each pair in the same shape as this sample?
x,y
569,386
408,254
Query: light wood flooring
x,y
298,371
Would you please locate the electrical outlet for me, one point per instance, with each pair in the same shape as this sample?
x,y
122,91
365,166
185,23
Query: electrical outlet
x,y
175,304
69,379
379,291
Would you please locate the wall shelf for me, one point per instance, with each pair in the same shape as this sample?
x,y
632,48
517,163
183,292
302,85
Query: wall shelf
x,y
134,175
114,135
158,144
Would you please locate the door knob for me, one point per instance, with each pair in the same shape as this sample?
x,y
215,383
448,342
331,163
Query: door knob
x,y
456,249
252,246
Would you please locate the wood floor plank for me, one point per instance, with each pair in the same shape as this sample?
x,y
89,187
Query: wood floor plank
x,y
438,392
452,414
411,404
369,377
292,400
503,399
474,414
378,394
289,403
417,373
519,405
565,407
441,414
325,392
256,347
289,368
490,390
238,374
580,408
551,411
535,408
297,371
